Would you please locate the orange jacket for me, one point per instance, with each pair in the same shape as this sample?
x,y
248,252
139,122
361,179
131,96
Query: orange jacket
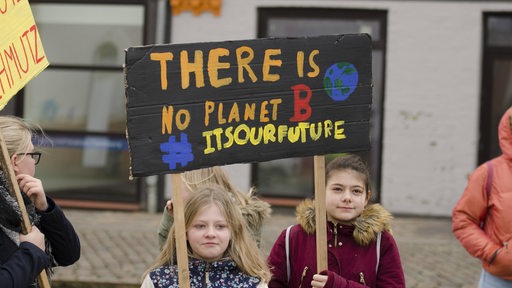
x,y
490,245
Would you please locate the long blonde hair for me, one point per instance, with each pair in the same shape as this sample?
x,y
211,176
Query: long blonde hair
x,y
198,178
242,248
17,134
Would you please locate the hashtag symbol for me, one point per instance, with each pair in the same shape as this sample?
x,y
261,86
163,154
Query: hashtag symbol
x,y
177,152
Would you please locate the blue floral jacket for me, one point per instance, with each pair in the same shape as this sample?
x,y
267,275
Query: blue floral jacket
x,y
221,273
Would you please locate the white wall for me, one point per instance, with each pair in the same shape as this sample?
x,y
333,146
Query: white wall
x,y
432,99
432,90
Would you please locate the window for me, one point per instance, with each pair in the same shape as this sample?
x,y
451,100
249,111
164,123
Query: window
x,y
79,99
293,177
496,81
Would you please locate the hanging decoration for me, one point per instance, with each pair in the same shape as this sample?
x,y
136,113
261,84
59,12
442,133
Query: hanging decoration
x,y
196,6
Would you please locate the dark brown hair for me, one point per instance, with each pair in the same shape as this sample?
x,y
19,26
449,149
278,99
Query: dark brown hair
x,y
349,161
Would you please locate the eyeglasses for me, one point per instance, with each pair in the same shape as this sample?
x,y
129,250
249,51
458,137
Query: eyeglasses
x,y
35,155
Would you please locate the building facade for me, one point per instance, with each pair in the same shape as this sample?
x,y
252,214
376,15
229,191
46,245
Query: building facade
x,y
441,74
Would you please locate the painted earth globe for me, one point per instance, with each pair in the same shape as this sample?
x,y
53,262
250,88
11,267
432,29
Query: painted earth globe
x,y
340,80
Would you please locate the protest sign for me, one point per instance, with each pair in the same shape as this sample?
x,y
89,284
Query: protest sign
x,y
21,53
205,104
215,103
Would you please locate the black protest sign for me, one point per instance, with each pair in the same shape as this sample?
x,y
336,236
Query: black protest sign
x,y
204,104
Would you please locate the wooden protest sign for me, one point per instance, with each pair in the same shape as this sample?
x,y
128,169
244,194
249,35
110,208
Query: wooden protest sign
x,y
21,58
181,238
204,104
22,55
199,105
321,226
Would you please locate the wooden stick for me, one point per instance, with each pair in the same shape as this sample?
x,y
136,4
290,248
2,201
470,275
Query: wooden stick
x,y
320,214
15,192
180,234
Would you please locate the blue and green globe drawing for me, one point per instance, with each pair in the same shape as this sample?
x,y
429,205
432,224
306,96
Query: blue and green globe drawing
x,y
340,80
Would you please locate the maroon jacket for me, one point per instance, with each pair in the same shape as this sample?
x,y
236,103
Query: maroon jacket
x,y
352,252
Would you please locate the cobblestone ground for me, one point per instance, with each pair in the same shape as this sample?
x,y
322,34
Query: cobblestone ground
x,y
432,256
117,247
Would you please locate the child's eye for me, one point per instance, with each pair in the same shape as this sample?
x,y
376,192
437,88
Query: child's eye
x,y
221,226
358,191
199,226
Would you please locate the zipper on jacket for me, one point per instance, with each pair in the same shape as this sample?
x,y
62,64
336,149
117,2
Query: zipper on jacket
x,y
207,275
335,231
303,275
361,278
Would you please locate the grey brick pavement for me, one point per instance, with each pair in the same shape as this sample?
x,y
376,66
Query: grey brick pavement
x,y
117,247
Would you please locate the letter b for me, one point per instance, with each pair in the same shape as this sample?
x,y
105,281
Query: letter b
x,y
301,107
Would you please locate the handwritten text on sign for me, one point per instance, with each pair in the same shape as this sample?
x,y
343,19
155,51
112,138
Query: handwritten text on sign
x,y
205,104
21,52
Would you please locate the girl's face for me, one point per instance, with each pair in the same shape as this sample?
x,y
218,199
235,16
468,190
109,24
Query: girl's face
x,y
345,196
209,233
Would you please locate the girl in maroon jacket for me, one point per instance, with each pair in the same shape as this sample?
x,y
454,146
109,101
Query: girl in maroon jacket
x,y
361,251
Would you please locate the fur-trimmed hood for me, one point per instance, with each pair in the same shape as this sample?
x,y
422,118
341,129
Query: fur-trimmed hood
x,y
367,226
255,211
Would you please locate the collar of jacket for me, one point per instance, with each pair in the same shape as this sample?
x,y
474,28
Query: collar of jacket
x,y
201,264
367,226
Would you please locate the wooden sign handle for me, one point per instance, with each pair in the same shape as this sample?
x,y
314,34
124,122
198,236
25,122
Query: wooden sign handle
x,y
320,214
180,234
26,226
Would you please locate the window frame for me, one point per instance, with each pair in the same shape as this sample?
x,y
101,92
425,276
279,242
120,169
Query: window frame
x,y
490,54
265,14
149,35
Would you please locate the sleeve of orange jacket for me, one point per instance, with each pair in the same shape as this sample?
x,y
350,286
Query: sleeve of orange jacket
x,y
468,213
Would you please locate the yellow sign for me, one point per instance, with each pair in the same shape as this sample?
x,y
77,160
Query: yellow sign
x,y
21,51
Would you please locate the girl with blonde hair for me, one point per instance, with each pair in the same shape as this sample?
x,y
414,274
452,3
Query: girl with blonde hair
x,y
221,250
254,210
23,257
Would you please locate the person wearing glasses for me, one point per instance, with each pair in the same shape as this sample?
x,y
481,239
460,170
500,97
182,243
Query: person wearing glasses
x,y
52,240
